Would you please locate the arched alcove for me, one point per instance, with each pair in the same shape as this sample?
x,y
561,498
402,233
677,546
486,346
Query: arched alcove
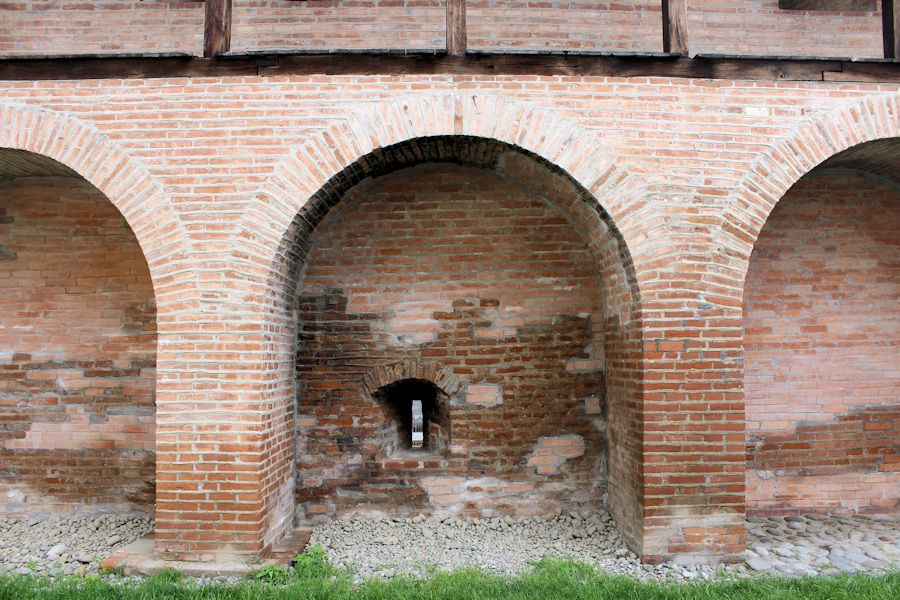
x,y
821,338
491,262
396,436
78,349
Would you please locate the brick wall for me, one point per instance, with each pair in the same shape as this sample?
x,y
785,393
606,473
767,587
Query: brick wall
x,y
58,27
338,24
49,27
822,346
495,289
221,178
77,353
759,27
517,25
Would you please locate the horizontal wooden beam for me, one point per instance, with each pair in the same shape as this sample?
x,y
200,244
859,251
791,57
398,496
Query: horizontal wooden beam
x,y
757,69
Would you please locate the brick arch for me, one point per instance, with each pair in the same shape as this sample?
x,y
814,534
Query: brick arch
x,y
610,204
107,328
263,248
558,140
125,183
379,376
810,144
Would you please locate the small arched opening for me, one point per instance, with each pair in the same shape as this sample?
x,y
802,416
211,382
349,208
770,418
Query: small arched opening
x,y
399,427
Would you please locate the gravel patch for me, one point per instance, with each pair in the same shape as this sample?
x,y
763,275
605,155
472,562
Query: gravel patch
x,y
791,546
65,546
506,545
381,548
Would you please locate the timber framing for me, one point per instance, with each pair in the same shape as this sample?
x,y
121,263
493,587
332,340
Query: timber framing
x,y
675,29
440,63
217,28
457,36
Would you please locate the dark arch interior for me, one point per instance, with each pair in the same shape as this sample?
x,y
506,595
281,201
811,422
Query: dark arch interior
x,y
396,398
465,151
877,157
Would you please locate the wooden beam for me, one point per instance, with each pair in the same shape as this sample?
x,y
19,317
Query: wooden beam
x,y
675,30
890,17
439,63
457,37
217,28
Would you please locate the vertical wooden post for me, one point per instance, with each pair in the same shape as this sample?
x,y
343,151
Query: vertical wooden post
x,y
890,17
457,38
675,31
217,28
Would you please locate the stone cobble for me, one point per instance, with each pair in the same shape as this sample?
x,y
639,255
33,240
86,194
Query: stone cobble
x,y
812,544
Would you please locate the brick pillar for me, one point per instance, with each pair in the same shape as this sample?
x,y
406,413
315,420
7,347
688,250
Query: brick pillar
x,y
223,445
693,415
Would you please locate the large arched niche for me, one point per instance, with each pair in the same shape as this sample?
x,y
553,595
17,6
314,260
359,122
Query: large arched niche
x,y
607,354
77,347
821,326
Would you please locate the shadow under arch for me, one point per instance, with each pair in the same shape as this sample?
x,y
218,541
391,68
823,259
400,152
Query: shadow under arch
x,y
621,297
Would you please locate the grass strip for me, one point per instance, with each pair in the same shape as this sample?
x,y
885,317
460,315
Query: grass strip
x,y
548,581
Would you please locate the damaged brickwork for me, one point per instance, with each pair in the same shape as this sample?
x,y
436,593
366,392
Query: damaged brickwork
x,y
491,283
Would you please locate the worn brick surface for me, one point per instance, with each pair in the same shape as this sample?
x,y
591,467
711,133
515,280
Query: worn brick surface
x,y
413,267
760,28
53,27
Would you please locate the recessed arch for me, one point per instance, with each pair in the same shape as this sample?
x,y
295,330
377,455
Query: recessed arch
x,y
811,143
821,329
81,148
507,163
799,245
45,142
79,342
260,250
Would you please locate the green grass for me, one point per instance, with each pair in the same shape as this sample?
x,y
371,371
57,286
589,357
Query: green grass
x,y
549,580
